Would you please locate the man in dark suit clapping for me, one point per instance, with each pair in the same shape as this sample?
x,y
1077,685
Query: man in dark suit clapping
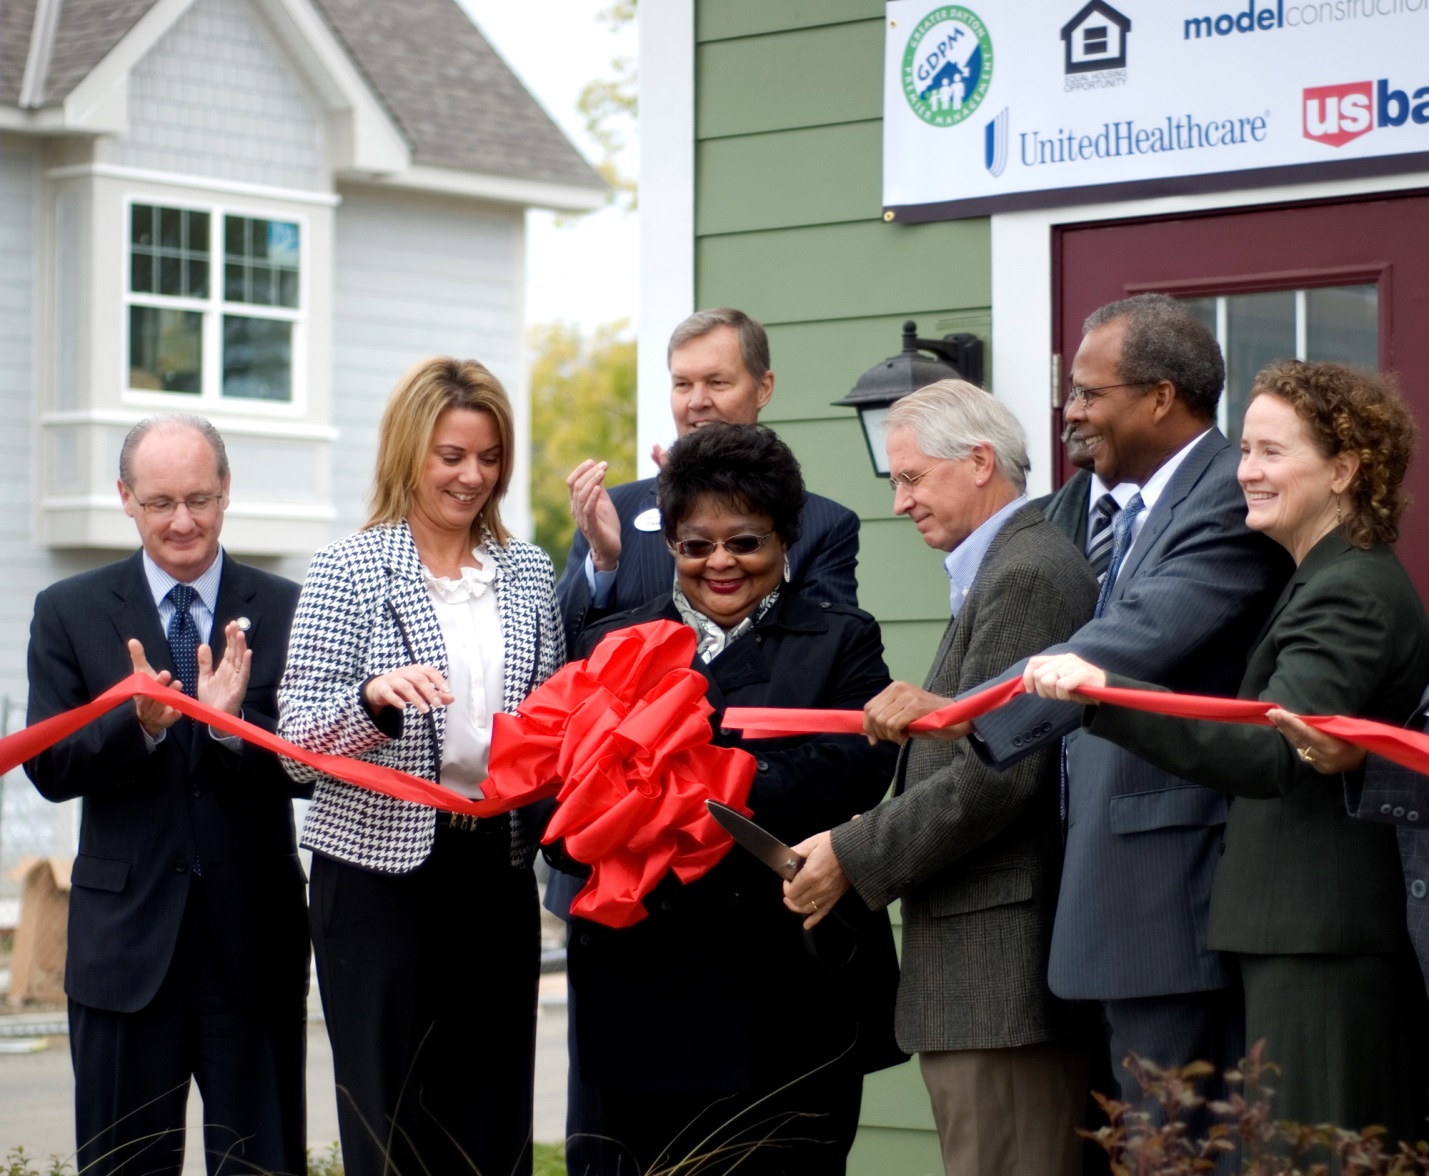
x,y
719,371
188,943
974,854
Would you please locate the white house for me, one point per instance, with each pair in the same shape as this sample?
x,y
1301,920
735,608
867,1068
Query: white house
x,y
261,211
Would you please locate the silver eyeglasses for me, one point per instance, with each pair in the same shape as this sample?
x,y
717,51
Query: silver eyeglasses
x,y
163,508
1090,395
908,481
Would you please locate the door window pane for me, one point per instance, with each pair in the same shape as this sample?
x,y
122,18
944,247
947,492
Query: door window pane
x,y
1318,323
1260,328
257,358
1342,323
165,349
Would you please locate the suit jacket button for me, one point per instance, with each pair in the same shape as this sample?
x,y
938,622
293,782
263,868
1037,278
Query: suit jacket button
x,y
198,791
585,940
1399,810
762,765
180,866
1017,741
825,604
1417,888
1384,810
666,905
1412,815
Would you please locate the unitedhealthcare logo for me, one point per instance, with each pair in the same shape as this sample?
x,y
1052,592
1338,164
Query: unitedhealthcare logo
x,y
995,143
1336,115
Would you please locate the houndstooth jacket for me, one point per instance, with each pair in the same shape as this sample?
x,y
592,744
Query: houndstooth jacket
x,y
364,610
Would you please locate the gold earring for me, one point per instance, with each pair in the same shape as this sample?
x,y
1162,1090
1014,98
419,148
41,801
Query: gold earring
x,y
1339,519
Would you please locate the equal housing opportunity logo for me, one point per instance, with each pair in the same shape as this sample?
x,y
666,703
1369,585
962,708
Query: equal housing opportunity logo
x,y
947,65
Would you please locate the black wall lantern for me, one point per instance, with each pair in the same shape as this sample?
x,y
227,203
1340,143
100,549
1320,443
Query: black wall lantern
x,y
959,357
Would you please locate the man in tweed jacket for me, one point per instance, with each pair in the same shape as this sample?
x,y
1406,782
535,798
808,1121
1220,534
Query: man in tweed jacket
x,y
974,854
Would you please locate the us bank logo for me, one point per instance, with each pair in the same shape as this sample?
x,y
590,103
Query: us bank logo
x,y
947,66
1336,115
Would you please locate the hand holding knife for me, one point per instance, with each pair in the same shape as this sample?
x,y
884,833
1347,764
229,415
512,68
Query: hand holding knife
x,y
812,894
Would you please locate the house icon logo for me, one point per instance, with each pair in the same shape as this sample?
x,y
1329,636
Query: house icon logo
x,y
1095,39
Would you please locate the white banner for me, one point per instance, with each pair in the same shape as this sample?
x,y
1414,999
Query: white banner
x,y
1001,104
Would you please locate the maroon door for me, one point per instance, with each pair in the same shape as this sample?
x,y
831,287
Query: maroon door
x,y
1347,279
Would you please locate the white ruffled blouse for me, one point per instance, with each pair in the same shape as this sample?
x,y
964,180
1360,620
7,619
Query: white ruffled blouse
x,y
476,669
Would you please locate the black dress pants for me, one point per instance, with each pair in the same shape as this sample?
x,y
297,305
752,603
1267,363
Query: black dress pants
x,y
132,1072
428,984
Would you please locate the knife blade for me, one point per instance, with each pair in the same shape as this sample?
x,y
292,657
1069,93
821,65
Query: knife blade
x,y
758,841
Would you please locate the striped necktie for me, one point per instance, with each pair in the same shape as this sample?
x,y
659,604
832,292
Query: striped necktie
x,y
1120,545
1099,536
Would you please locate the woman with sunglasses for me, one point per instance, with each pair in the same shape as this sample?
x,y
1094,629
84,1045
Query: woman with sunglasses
x,y
710,1027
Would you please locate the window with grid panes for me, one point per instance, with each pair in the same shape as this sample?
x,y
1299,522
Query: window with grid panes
x,y
214,302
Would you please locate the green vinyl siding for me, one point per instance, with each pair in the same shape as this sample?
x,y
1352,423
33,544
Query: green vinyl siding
x,y
788,215
818,361
849,270
815,184
746,18
805,78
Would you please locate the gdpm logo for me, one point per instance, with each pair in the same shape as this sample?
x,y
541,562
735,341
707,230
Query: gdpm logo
x,y
1336,114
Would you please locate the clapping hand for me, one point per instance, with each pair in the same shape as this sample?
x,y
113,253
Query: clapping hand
x,y
224,685
154,716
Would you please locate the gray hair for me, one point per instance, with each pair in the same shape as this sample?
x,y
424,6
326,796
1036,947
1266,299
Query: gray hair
x,y
176,422
753,342
952,416
1165,341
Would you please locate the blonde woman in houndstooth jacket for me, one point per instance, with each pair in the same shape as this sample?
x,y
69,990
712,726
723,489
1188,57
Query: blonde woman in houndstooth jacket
x,y
409,636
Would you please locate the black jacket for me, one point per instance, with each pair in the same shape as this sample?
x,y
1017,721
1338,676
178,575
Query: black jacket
x,y
716,990
152,821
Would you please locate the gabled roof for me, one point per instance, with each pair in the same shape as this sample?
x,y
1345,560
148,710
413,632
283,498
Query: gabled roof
x,y
458,104
455,101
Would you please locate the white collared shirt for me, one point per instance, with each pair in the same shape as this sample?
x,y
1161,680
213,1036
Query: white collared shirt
x,y
1154,486
205,602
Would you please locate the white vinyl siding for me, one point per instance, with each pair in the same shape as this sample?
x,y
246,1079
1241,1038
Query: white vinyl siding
x,y
416,276
217,96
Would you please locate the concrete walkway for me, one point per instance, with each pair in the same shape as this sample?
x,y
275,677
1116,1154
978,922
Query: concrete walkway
x,y
36,1091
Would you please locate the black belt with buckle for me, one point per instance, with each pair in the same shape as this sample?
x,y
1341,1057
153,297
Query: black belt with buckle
x,y
497,826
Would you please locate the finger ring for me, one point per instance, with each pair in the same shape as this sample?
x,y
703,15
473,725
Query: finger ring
x,y
1306,754
813,904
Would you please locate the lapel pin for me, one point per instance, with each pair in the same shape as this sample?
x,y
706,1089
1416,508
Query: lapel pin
x,y
244,624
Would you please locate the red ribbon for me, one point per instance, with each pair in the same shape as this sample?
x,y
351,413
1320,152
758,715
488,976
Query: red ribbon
x,y
623,740
23,745
625,736
1410,749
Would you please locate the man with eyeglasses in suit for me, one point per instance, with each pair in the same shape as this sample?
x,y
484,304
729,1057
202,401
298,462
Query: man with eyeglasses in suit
x,y
188,944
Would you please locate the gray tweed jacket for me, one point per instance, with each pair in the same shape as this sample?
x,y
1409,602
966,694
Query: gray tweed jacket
x,y
364,610
975,854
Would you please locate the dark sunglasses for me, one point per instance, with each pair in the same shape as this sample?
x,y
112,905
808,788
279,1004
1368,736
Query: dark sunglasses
x,y
735,545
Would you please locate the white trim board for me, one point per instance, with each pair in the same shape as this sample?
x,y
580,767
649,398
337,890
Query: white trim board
x,y
667,208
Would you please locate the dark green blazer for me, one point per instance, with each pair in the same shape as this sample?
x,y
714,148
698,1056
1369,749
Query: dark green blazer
x,y
1298,874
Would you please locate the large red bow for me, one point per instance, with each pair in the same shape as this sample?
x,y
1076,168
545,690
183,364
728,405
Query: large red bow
x,y
627,733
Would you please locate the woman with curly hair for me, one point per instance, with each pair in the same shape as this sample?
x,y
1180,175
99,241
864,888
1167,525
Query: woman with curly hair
x,y
1308,900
